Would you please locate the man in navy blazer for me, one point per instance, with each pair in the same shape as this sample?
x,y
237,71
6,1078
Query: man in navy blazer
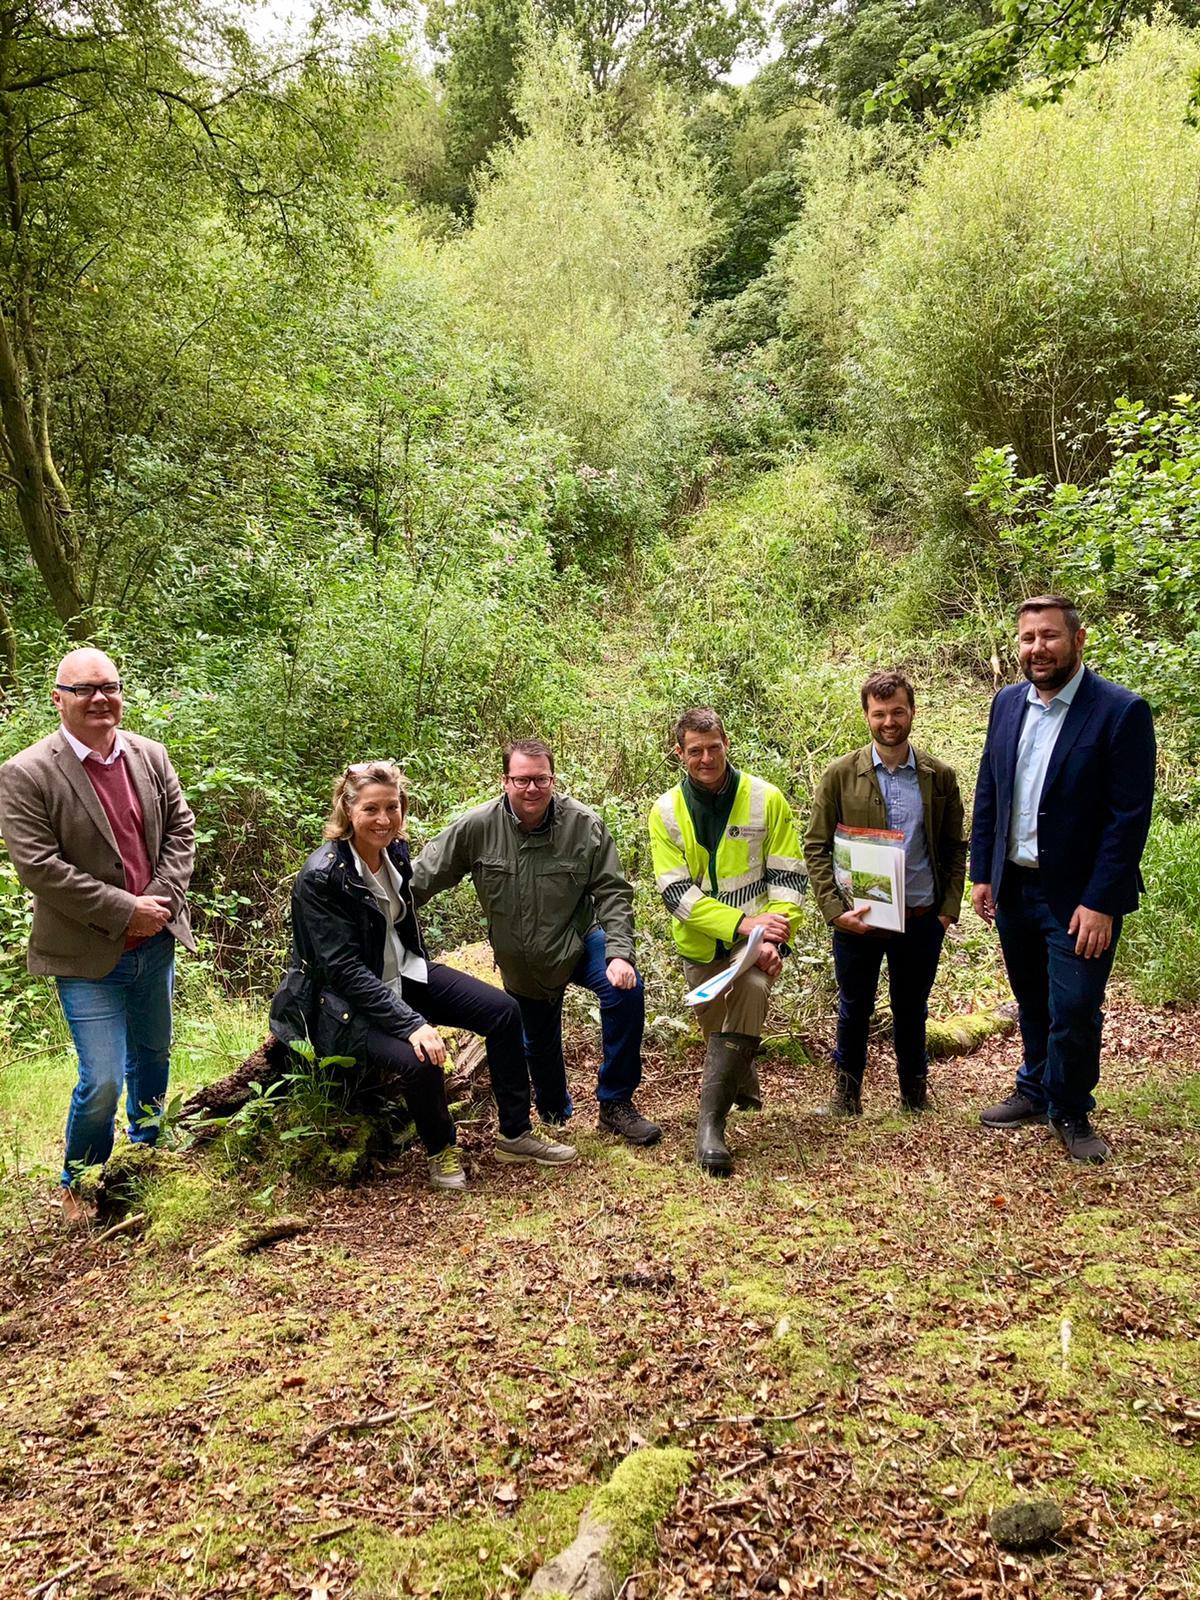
x,y
1062,810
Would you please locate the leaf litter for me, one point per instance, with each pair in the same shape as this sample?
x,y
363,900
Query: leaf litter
x,y
858,1337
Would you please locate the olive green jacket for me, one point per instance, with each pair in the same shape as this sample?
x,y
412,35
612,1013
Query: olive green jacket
x,y
849,793
542,892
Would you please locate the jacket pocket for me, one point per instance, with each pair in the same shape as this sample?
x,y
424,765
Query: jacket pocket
x,y
292,1008
339,1030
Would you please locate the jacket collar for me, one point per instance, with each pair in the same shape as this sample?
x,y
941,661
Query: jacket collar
x,y
546,825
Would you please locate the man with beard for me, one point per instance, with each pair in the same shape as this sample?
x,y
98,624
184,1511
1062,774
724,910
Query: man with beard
x,y
888,783
1062,810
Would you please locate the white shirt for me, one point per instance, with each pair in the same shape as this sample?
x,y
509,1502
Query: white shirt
x,y
398,960
1039,734
86,753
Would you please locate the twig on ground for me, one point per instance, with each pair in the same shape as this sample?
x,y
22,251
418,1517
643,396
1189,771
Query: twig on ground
x,y
743,1466
48,1583
325,1534
729,1505
752,1419
127,1225
378,1419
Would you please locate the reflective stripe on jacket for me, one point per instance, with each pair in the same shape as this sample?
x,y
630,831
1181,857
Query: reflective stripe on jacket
x,y
757,868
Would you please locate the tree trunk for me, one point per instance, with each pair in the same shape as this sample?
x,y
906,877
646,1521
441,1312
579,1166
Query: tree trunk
x,y
271,1060
8,653
42,503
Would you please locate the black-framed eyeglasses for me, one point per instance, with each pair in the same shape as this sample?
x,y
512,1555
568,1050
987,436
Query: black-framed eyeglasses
x,y
85,691
539,780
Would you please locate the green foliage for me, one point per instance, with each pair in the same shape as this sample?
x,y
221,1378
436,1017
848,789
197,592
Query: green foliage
x,y
622,51
1159,952
319,1122
796,325
580,266
1040,45
849,51
1126,548
1040,271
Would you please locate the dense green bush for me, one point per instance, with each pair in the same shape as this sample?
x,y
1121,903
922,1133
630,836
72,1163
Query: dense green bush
x,y
581,267
1127,549
1159,953
1042,269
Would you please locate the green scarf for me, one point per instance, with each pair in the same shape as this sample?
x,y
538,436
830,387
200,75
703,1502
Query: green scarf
x,y
710,810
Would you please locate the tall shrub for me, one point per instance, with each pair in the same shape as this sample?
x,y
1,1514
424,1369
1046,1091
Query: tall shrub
x,y
581,267
1043,269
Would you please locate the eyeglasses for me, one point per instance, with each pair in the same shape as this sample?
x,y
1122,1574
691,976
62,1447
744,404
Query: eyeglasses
x,y
85,691
540,780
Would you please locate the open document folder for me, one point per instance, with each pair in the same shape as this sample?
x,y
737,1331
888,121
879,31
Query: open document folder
x,y
712,987
868,866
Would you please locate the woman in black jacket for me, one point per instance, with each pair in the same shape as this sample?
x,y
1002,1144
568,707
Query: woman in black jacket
x,y
361,982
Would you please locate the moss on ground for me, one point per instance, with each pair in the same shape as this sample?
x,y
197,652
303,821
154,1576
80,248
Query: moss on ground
x,y
467,1558
636,1498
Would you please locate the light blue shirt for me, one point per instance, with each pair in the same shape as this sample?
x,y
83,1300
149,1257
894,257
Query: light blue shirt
x,y
901,792
1039,734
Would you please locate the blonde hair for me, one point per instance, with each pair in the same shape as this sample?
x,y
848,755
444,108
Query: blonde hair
x,y
351,784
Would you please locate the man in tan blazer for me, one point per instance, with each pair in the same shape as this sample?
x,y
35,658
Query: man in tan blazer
x,y
100,833
888,784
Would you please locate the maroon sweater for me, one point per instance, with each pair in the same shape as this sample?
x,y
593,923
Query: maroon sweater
x,y
116,793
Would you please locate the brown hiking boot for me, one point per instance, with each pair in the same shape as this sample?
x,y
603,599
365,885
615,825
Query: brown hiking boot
x,y
846,1099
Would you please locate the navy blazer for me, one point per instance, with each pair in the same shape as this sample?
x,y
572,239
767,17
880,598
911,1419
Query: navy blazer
x,y
1094,811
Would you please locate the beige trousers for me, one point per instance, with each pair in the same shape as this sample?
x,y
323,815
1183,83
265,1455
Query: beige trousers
x,y
743,1006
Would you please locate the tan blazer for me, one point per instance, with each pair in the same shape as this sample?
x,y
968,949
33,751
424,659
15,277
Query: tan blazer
x,y
849,792
64,851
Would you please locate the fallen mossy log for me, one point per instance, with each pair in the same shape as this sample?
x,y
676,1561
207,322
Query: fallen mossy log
x,y
958,1036
616,1532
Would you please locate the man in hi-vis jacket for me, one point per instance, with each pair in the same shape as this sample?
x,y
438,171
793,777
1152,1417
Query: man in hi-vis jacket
x,y
726,861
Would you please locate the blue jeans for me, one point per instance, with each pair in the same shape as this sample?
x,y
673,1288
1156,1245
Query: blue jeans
x,y
912,960
622,1022
121,1026
1058,994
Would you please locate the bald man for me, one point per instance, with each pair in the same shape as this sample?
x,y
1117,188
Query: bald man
x,y
100,833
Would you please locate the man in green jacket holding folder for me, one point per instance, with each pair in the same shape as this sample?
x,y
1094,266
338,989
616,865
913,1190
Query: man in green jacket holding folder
x,y
888,784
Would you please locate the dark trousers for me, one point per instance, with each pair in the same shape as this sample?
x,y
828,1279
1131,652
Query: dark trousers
x,y
622,1023
454,1000
1059,996
912,959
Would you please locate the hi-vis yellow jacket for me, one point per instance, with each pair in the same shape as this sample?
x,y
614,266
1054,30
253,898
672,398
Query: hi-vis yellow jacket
x,y
758,867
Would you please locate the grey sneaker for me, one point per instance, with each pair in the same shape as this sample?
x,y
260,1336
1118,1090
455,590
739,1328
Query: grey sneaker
x,y
1080,1140
1011,1113
535,1145
446,1170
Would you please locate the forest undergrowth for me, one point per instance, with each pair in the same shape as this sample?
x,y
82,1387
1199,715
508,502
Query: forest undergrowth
x,y
870,1337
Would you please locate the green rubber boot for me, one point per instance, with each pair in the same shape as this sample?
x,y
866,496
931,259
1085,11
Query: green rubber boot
x,y
725,1061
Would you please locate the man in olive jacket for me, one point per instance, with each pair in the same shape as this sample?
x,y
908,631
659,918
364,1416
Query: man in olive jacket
x,y
888,784
559,911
